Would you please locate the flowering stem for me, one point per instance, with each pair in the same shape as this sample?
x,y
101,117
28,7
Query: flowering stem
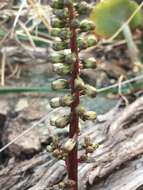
x,y
73,131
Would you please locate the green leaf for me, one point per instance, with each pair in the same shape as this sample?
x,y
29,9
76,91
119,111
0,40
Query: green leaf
x,y
6,90
109,15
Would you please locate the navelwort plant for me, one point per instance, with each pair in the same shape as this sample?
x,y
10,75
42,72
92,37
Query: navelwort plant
x,y
72,35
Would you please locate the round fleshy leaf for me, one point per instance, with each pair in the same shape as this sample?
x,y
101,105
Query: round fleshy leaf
x,y
109,15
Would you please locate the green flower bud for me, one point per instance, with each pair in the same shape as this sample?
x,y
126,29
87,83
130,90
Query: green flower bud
x,y
70,58
83,8
55,141
62,121
89,115
62,33
49,148
70,183
53,120
68,2
55,32
57,23
95,146
69,145
57,4
67,100
62,69
80,110
87,141
65,34
75,23
55,102
64,155
60,84
82,43
90,149
57,57
56,153
83,157
87,26
61,14
89,63
91,40
79,83
90,91
57,46
61,185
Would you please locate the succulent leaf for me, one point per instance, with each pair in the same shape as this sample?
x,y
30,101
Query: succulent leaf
x,y
109,15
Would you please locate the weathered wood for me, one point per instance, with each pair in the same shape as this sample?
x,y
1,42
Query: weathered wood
x,y
115,165
124,141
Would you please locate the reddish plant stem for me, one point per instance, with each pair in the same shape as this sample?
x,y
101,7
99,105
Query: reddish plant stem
x,y
72,163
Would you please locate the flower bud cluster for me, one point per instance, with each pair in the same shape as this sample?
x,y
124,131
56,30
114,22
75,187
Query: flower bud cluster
x,y
85,42
60,121
85,115
65,62
89,147
61,152
66,184
69,145
56,149
85,88
62,101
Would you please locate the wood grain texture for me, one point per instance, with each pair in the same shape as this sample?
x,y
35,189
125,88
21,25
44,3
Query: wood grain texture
x,y
117,164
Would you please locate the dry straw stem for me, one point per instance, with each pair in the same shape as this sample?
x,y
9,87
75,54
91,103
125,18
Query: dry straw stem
x,y
18,15
3,63
20,33
27,33
39,10
120,90
137,78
